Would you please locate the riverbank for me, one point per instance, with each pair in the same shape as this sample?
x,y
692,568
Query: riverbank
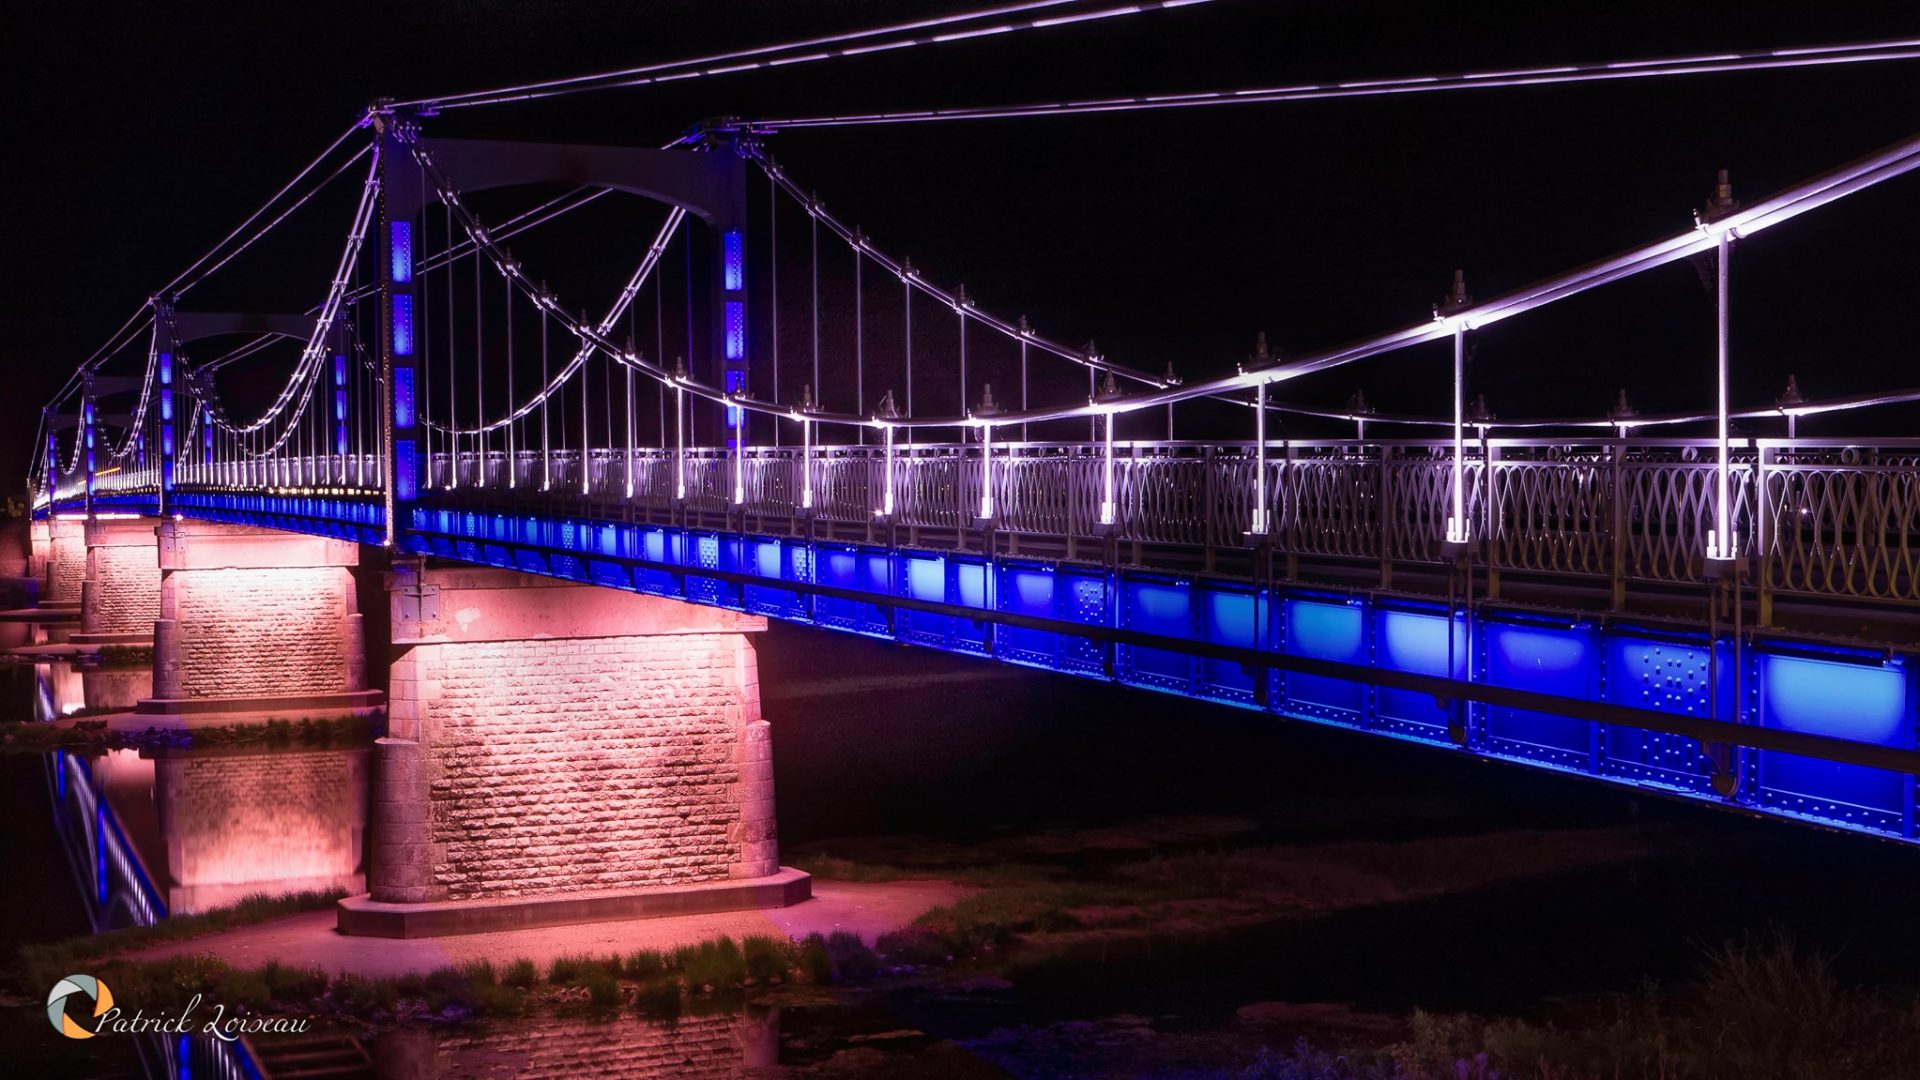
x,y
308,940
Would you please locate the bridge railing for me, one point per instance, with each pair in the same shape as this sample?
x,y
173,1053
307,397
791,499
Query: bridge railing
x,y
335,471
1821,517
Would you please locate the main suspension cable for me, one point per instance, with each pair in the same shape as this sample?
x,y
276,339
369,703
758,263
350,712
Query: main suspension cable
x,y
1699,64
920,32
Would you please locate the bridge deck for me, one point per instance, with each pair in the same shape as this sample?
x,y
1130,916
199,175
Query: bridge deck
x,y
1811,718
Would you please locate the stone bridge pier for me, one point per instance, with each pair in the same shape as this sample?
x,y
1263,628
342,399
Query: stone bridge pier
x,y
120,595
256,622
59,560
562,753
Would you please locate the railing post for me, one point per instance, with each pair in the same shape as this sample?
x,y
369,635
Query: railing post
x,y
737,450
806,466
1763,508
1723,547
886,474
1291,513
1387,514
1457,528
679,444
1107,509
401,197
1214,528
1259,459
1490,494
1617,535
986,473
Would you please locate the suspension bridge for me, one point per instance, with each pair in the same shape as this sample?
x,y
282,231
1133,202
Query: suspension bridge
x,y
773,415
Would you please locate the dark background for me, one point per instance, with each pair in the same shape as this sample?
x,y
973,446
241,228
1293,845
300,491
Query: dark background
x,y
139,133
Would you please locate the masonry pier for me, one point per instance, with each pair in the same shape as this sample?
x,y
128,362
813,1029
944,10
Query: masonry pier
x,y
254,621
563,753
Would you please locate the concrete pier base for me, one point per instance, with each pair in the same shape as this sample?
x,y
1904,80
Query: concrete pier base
x,y
367,917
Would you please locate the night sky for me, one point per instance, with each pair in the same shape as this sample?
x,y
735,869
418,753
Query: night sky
x,y
139,133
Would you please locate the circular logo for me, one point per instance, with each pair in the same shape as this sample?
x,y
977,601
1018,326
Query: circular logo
x,y
96,992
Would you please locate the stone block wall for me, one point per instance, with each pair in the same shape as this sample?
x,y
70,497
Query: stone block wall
x,y
66,564
601,763
127,580
259,632
254,614
577,740
121,594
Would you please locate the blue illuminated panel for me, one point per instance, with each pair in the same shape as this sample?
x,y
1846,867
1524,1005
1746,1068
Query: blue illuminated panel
x,y
1085,596
1156,607
1228,616
733,272
1326,630
926,579
1865,702
402,324
838,568
401,251
970,583
1028,590
768,559
1670,676
1417,642
403,398
1547,660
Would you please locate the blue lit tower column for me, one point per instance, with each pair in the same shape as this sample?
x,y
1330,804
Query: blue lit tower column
x,y
165,347
47,417
338,411
88,409
729,276
401,199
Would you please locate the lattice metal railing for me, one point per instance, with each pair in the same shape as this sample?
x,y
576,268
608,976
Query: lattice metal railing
x,y
1819,517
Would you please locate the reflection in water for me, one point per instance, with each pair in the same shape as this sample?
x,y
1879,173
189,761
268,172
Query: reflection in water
x,y
62,687
173,830
625,1045
236,823
185,830
60,690
113,885
692,1046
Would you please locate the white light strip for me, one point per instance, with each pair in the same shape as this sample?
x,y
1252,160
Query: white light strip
x,y
1705,64
843,44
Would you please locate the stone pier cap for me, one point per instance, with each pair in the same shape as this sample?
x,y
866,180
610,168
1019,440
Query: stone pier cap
x,y
453,604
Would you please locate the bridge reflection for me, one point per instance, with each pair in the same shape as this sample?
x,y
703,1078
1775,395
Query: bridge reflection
x,y
159,831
